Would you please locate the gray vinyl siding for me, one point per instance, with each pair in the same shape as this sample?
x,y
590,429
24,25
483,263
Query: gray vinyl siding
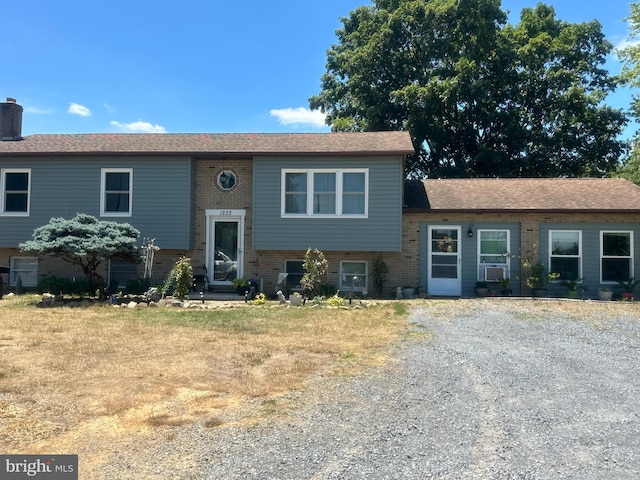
x,y
590,253
62,187
469,253
381,231
470,256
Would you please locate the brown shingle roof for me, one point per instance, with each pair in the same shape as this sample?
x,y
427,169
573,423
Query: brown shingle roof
x,y
530,194
359,143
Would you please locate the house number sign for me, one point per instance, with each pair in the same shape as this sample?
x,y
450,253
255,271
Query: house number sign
x,y
226,213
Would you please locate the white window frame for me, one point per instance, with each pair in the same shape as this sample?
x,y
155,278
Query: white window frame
x,y
630,257
31,277
506,265
338,193
3,192
579,256
103,192
346,287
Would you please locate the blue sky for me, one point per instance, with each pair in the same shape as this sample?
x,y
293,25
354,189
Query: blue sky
x,y
80,66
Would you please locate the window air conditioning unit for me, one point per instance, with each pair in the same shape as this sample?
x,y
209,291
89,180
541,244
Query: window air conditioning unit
x,y
494,274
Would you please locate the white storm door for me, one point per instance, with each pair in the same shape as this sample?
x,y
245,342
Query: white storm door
x,y
225,245
444,265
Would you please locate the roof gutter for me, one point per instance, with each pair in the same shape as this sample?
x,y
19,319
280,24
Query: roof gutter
x,y
518,210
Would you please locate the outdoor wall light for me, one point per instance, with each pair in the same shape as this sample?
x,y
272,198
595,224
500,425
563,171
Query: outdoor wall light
x,y
470,231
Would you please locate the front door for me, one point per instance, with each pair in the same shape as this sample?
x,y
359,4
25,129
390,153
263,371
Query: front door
x,y
444,261
225,245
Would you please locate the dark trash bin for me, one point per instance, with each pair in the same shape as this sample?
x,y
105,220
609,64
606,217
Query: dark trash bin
x,y
3,270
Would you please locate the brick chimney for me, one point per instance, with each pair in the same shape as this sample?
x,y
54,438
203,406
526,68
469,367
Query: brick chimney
x,y
10,120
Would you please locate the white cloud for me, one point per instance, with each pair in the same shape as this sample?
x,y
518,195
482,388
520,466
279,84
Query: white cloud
x,y
77,109
299,116
108,108
629,41
139,127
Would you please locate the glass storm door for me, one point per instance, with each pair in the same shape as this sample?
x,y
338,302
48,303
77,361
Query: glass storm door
x,y
444,261
225,257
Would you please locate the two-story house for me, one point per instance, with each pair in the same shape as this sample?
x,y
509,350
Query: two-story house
x,y
239,205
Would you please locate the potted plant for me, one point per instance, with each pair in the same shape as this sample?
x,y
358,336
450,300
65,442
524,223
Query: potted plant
x,y
572,287
408,292
627,288
295,299
240,285
538,278
482,289
504,286
605,294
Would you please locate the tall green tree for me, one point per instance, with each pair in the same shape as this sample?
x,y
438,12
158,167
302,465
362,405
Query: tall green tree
x,y
630,56
630,167
85,241
479,97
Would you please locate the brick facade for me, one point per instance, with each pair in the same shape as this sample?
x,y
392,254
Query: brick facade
x,y
209,196
264,266
409,272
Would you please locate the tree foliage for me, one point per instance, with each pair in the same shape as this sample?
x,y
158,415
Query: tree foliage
x,y
630,168
479,97
630,56
315,268
85,241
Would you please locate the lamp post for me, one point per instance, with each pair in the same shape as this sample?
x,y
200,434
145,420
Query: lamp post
x,y
355,279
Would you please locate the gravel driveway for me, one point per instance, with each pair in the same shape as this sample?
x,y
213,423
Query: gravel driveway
x,y
502,389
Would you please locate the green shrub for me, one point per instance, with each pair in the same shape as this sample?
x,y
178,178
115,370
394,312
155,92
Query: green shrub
x,y
319,300
379,276
138,286
180,280
56,285
260,299
335,301
52,284
328,290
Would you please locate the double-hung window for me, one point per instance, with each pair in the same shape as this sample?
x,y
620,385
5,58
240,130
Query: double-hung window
x,y
353,274
616,256
565,254
116,192
325,192
354,193
493,253
15,185
295,193
26,268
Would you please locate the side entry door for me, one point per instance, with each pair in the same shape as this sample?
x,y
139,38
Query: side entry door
x,y
444,261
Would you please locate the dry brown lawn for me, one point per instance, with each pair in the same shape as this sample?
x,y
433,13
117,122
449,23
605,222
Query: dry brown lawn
x,y
86,380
